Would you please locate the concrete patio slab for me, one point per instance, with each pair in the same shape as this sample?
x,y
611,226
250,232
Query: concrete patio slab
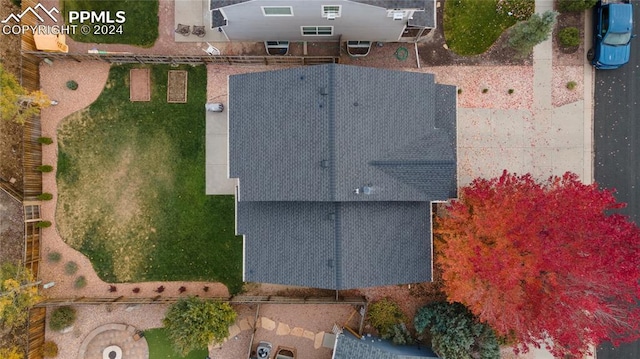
x,y
196,13
216,158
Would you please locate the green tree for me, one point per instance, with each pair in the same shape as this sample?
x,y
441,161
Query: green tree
x,y
456,333
193,323
16,103
18,293
527,34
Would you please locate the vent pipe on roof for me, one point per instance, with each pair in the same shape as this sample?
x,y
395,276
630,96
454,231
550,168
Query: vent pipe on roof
x,y
324,91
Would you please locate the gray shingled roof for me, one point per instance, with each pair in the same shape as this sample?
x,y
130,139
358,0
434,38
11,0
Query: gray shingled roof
x,y
302,140
350,347
328,130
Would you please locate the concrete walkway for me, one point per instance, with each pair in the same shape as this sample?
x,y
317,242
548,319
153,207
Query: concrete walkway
x,y
543,141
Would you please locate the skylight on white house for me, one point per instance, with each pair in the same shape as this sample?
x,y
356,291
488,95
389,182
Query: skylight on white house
x,y
277,10
331,11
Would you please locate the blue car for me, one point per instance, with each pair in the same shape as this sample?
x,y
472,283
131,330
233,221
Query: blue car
x,y
612,33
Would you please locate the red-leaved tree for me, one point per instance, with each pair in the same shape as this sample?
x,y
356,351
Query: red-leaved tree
x,y
543,262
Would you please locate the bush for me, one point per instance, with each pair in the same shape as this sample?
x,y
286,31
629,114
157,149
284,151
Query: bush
x,y
384,315
45,168
80,282
50,349
193,323
12,352
571,85
399,335
45,196
43,224
459,91
62,317
575,5
527,34
17,3
455,332
54,257
569,37
485,90
45,140
71,268
511,91
72,85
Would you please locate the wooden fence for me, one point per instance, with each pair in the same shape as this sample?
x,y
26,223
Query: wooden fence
x,y
181,59
36,331
239,299
9,189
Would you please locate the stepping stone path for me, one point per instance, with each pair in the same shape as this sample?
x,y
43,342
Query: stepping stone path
x,y
281,329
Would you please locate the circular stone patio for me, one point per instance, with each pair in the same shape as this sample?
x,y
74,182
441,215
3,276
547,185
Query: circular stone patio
x,y
113,340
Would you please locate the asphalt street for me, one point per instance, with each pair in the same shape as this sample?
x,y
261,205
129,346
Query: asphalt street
x,y
616,128
617,147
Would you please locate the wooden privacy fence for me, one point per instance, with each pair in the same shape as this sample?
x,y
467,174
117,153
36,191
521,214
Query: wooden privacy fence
x,y
127,58
239,299
36,331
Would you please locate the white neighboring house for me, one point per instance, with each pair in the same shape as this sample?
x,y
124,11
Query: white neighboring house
x,y
357,22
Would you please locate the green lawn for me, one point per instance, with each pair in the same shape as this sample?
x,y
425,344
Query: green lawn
x,y
140,27
160,346
131,187
472,26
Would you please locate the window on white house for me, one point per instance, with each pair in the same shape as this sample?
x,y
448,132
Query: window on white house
x,y
331,11
277,10
317,30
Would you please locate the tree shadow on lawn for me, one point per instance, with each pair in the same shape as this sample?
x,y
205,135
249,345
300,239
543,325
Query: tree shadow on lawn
x,y
131,187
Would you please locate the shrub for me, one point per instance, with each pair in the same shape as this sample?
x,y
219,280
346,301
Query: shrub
x,y
45,196
80,282
62,317
12,352
45,168
54,257
182,289
399,335
519,9
43,224
136,290
571,85
485,90
526,34
113,289
459,91
511,91
456,332
72,85
575,5
205,288
193,323
45,140
71,268
384,315
17,3
160,289
50,349
569,37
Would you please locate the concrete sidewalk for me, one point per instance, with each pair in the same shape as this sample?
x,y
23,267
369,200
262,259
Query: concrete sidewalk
x,y
543,141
